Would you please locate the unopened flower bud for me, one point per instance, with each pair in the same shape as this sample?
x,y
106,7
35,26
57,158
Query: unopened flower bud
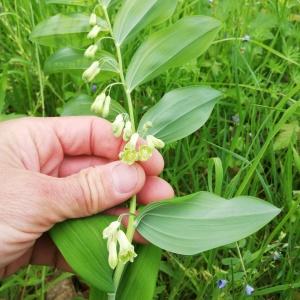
x,y
112,254
126,252
93,19
128,131
91,72
98,105
94,32
91,51
145,152
154,142
106,107
118,125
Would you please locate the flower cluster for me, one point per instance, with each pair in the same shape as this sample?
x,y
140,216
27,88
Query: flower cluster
x,y
115,236
94,69
132,151
101,105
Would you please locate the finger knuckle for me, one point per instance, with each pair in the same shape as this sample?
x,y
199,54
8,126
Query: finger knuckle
x,y
94,193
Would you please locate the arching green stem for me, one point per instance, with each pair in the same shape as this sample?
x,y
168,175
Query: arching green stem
x,y
132,210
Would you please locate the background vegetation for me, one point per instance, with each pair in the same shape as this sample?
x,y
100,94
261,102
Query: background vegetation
x,y
259,74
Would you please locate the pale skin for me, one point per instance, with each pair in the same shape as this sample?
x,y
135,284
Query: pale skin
x,y
54,169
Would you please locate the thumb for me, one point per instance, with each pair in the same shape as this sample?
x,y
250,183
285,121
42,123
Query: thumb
x,y
96,189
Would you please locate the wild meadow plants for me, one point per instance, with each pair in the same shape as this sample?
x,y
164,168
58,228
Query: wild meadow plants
x,y
117,59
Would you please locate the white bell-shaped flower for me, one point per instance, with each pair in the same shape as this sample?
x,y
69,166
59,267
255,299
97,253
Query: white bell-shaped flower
x,y
98,105
128,131
91,72
118,125
94,32
126,252
112,253
93,19
132,142
90,52
110,232
106,107
154,142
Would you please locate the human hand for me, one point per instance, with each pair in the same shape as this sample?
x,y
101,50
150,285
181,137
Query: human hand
x,y
53,169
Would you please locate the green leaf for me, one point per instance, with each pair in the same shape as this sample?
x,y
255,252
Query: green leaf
x,y
64,30
3,86
180,112
80,242
11,116
142,275
286,135
202,221
80,106
73,61
171,47
106,3
97,295
135,15
71,2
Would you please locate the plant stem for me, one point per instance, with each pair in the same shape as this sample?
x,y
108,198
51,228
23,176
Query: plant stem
x,y
130,227
241,260
111,296
120,63
127,92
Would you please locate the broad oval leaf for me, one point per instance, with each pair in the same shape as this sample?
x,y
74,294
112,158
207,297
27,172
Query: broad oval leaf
x,y
171,47
71,2
73,60
81,106
135,15
180,112
64,30
80,242
142,275
202,221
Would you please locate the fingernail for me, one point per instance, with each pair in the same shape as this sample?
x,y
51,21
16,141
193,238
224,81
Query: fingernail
x,y
125,178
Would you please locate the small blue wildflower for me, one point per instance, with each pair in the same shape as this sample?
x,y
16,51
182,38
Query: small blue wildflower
x,y
94,88
249,290
221,283
246,38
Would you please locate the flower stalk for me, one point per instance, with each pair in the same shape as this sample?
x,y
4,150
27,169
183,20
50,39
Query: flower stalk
x,y
132,208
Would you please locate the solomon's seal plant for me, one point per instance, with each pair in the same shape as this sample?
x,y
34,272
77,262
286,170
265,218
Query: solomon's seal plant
x,y
92,50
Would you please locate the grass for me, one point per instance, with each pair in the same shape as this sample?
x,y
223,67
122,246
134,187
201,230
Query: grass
x,y
260,81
